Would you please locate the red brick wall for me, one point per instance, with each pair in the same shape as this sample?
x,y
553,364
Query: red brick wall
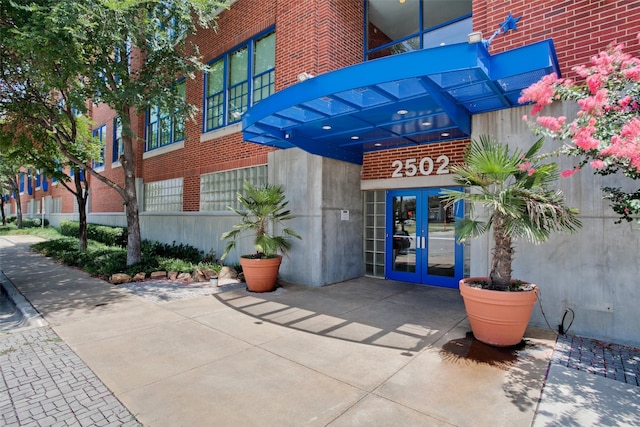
x,y
579,29
378,164
103,198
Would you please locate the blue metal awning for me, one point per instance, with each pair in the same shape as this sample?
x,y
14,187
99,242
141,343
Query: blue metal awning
x,y
408,99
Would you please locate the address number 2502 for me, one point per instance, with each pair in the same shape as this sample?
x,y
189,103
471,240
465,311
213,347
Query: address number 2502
x,y
426,165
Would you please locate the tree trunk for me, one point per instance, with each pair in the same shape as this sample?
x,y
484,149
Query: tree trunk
x,y
500,275
127,160
134,252
81,198
16,191
4,217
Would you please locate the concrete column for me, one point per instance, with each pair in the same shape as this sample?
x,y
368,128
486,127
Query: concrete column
x,y
325,196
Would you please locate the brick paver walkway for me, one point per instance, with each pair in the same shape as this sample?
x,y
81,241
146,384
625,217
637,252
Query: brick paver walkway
x,y
44,383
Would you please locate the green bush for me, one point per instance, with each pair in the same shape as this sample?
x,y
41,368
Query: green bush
x,y
112,236
11,219
103,260
34,222
181,251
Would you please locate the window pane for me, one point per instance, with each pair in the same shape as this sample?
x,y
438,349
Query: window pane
x,y
408,45
263,86
118,142
450,34
265,54
389,20
215,78
438,12
238,66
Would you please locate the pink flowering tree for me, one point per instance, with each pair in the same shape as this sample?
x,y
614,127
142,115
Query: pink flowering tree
x,y
605,133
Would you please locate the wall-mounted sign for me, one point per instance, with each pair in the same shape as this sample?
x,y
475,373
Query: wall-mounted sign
x,y
426,166
344,215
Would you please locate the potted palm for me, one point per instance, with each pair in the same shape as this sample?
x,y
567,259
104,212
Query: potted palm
x,y
515,191
264,208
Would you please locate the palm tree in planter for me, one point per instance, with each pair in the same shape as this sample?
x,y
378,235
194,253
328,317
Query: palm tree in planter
x,y
264,209
515,190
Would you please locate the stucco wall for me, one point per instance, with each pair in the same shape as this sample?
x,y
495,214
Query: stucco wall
x,y
595,271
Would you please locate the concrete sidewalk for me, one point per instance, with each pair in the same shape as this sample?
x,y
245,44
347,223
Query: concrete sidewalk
x,y
365,352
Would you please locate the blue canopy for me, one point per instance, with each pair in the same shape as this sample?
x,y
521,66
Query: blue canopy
x,y
419,97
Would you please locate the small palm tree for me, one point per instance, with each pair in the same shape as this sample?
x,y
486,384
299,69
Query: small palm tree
x,y
515,191
264,209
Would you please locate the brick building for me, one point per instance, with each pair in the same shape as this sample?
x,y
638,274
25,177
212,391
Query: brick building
x,y
358,107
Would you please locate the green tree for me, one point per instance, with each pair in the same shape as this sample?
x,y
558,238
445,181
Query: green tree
x,y
129,64
32,144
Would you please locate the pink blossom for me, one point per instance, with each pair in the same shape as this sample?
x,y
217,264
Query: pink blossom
x,y
531,171
597,164
540,93
631,69
594,105
525,118
569,172
625,101
524,166
626,145
583,137
551,123
594,82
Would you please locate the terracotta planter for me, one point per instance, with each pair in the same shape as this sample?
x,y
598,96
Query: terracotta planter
x,y
261,274
497,318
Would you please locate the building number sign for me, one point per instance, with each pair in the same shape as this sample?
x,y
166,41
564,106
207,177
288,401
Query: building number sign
x,y
426,166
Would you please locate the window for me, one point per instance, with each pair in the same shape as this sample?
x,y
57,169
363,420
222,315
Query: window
x,y
239,79
99,134
118,143
220,189
164,128
398,27
21,181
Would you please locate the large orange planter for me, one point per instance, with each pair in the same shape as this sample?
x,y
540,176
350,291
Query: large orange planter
x,y
261,274
497,318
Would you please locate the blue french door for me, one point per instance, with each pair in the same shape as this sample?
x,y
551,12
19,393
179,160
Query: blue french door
x,y
420,238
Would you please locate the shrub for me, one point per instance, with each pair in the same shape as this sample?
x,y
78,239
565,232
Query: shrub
x,y
112,236
181,251
33,222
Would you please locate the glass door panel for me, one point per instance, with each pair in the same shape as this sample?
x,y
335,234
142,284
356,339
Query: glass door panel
x,y
421,245
442,239
404,233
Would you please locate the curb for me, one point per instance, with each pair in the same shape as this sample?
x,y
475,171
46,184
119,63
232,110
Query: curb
x,y
31,318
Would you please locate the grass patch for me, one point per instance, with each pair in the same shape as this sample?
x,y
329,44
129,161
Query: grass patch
x,y
49,233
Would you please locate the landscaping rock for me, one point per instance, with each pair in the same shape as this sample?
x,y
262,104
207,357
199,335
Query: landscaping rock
x,y
184,276
208,273
198,276
228,273
119,278
158,275
173,275
139,277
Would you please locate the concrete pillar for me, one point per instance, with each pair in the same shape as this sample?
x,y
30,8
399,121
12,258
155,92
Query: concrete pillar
x,y
325,196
